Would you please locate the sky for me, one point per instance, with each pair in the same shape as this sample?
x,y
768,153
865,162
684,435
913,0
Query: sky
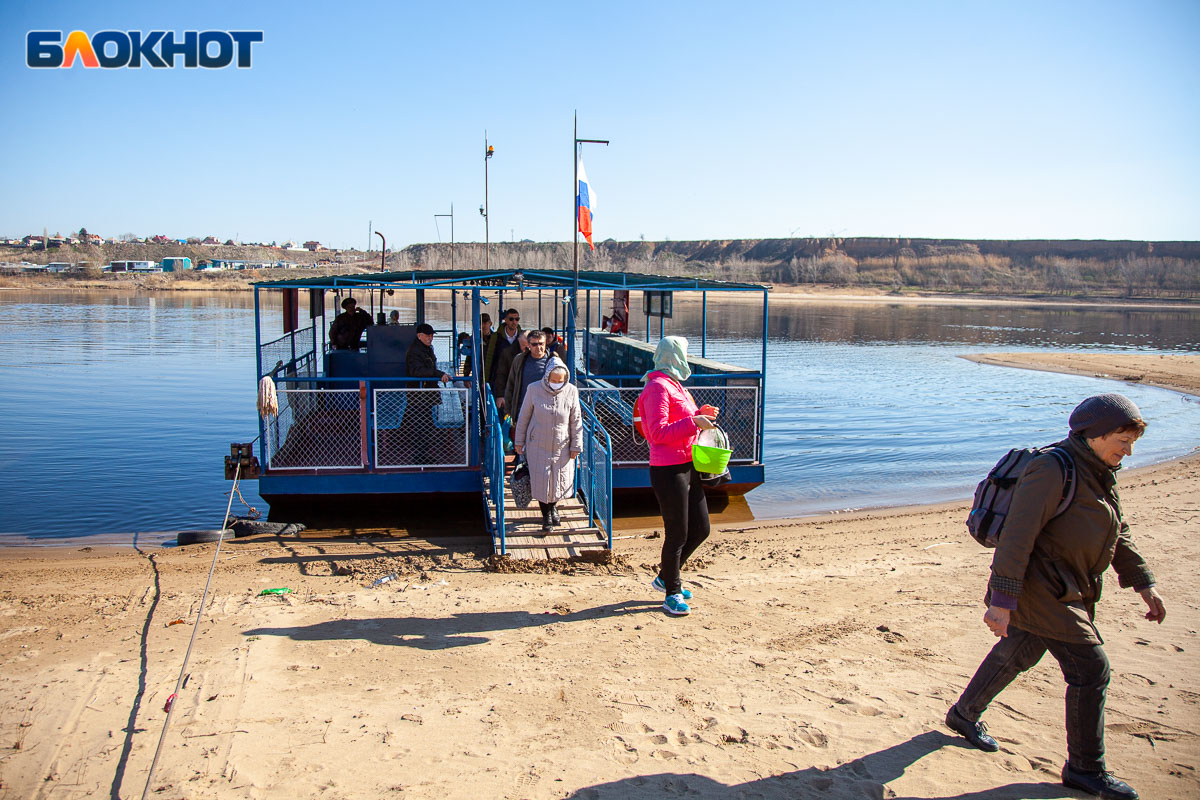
x,y
993,120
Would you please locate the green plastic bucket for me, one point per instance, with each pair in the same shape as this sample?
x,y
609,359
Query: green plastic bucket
x,y
710,459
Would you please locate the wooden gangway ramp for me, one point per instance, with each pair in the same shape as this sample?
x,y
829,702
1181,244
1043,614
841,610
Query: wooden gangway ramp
x,y
524,539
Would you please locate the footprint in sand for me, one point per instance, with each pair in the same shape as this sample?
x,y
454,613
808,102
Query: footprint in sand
x,y
624,752
865,709
809,735
528,779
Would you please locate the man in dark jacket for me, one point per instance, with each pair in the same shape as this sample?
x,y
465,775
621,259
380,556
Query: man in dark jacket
x,y
485,339
1046,580
527,369
347,329
420,360
506,345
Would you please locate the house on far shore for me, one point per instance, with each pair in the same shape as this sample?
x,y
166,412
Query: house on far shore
x,y
133,266
176,264
313,247
59,266
210,240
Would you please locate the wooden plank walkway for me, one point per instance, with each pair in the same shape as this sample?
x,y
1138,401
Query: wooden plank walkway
x,y
523,531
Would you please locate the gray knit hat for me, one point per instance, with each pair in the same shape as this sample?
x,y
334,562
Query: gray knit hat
x,y
1101,415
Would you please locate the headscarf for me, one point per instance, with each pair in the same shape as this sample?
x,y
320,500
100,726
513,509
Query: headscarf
x,y
554,363
670,357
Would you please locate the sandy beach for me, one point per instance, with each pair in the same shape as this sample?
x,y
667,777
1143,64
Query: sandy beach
x,y
819,661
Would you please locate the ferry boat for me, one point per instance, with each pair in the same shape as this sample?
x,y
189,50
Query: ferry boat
x,y
352,423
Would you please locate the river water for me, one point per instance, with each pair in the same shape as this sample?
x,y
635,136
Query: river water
x,y
120,407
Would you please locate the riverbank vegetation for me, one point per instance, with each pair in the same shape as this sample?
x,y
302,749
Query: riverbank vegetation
x,y
1059,269
1063,269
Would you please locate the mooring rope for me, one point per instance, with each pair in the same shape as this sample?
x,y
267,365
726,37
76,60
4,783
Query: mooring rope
x,y
170,705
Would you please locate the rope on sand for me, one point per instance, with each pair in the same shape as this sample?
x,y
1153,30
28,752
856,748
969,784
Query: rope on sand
x,y
170,705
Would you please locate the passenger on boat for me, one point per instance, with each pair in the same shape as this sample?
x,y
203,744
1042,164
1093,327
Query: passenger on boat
x,y
672,422
1046,581
394,318
507,345
420,360
485,337
347,329
527,369
549,434
554,345
465,350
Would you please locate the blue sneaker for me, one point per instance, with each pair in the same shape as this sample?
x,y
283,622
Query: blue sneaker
x,y
659,586
675,606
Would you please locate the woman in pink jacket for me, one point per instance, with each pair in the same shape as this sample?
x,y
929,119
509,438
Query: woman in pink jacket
x,y
671,423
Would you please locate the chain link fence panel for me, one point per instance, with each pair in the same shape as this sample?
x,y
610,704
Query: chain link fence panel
x,y
297,345
421,427
738,418
315,429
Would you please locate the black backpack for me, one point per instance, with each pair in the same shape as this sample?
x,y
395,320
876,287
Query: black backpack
x,y
994,494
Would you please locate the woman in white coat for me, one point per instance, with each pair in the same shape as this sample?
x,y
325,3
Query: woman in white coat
x,y
549,434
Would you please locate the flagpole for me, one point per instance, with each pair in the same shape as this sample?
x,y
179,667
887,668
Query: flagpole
x,y
575,226
576,151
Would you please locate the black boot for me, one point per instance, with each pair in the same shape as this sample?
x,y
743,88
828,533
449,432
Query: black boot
x,y
547,525
554,518
974,732
1101,784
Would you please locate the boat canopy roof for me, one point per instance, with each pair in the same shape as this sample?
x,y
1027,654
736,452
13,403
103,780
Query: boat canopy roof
x,y
503,279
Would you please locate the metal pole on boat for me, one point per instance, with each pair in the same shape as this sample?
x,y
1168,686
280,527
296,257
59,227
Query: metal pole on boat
x,y
703,324
574,248
576,154
762,383
488,151
262,423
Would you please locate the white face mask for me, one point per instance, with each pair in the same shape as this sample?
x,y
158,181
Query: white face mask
x,y
556,385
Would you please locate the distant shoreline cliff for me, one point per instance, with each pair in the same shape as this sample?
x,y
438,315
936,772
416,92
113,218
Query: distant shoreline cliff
x,y
1020,268
1065,266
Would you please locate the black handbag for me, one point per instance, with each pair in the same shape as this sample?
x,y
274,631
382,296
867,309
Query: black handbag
x,y
518,481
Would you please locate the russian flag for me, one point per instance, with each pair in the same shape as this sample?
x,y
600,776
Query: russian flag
x,y
585,205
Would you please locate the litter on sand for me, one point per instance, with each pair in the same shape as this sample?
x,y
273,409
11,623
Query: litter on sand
x,y
280,590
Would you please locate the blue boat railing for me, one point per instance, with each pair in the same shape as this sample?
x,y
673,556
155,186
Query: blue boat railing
x,y
493,470
593,479
738,418
371,423
293,353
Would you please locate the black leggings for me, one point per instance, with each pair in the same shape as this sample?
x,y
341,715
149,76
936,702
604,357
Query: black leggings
x,y
685,517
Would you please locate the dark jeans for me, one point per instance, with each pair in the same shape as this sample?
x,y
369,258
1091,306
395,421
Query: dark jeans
x,y
685,517
1085,668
